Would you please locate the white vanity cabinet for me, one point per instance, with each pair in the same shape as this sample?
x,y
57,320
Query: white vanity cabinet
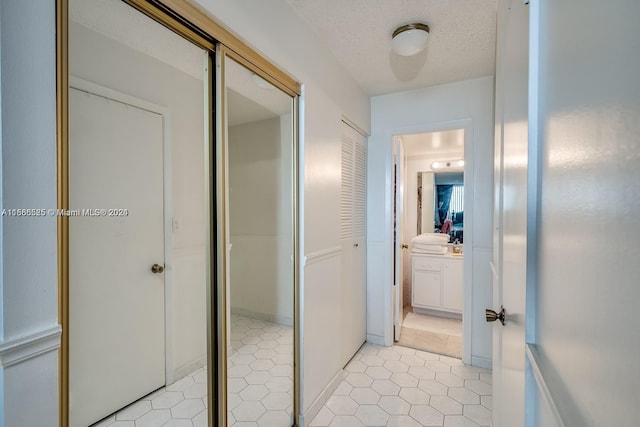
x,y
436,282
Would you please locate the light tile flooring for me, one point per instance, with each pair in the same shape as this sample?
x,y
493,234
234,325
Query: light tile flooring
x,y
181,404
399,386
260,370
383,386
431,333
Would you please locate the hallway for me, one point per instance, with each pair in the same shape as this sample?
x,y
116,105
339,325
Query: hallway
x,y
398,386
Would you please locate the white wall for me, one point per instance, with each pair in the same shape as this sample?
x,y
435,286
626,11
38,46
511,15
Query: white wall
x,y
260,220
329,92
103,61
29,335
586,323
430,109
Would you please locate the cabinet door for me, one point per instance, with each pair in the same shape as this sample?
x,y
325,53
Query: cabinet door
x,y
452,285
426,288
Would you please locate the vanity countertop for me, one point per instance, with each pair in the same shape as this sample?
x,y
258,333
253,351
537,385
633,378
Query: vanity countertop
x,y
447,255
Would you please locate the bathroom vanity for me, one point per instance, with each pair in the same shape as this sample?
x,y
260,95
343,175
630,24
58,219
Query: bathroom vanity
x,y
437,284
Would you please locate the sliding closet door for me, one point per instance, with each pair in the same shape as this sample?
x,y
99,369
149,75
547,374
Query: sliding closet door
x,y
258,145
138,247
353,206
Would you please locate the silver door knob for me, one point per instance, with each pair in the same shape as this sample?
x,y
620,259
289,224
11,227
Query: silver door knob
x,y
492,316
157,268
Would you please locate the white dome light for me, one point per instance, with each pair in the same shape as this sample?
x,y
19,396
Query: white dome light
x,y
410,39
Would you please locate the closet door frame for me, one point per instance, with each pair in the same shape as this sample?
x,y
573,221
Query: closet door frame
x,y
195,25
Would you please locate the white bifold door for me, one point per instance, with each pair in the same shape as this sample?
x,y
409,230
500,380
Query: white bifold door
x,y
116,326
353,220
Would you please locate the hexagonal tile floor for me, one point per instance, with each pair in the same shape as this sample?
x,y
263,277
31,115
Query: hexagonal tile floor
x,y
399,386
260,375
383,386
260,369
181,404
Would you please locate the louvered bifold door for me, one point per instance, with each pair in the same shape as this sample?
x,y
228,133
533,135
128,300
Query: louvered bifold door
x,y
360,189
346,194
353,220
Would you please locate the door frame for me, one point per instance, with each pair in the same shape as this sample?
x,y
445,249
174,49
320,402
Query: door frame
x,y
467,318
196,25
111,94
399,173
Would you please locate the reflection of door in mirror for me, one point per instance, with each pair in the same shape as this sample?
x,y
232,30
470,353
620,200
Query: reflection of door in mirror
x,y
137,285
261,278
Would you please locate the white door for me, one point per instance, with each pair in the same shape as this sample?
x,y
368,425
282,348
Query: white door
x,y
398,236
353,218
510,242
116,325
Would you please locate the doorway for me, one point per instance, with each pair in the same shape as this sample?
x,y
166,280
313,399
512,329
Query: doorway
x,y
429,234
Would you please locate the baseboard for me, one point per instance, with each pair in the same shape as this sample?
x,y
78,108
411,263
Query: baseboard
x,y
189,368
375,339
267,317
481,362
322,398
437,313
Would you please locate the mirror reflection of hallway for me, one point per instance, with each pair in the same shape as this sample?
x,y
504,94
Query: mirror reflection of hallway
x,y
432,229
137,334
261,231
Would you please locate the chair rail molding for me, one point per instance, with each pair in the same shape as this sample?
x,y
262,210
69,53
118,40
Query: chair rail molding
x,y
322,255
25,347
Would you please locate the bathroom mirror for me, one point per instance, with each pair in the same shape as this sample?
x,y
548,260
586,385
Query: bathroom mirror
x,y
441,203
260,277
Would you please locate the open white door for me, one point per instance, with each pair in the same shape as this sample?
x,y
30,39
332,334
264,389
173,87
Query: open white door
x,y
398,235
510,239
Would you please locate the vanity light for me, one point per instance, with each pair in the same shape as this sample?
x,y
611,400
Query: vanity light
x,y
447,164
410,39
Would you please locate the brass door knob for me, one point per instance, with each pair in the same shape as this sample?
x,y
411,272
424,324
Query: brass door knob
x,y
404,246
492,316
157,268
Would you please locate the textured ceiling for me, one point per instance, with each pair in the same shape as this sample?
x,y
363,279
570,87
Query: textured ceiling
x,y
358,32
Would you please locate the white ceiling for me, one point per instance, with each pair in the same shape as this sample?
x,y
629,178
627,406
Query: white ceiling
x,y
447,143
358,32
250,98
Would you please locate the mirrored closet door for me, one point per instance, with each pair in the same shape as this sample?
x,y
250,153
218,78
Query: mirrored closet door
x,y
259,142
135,305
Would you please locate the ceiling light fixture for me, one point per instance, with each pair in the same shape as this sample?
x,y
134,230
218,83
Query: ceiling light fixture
x,y
410,39
447,164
